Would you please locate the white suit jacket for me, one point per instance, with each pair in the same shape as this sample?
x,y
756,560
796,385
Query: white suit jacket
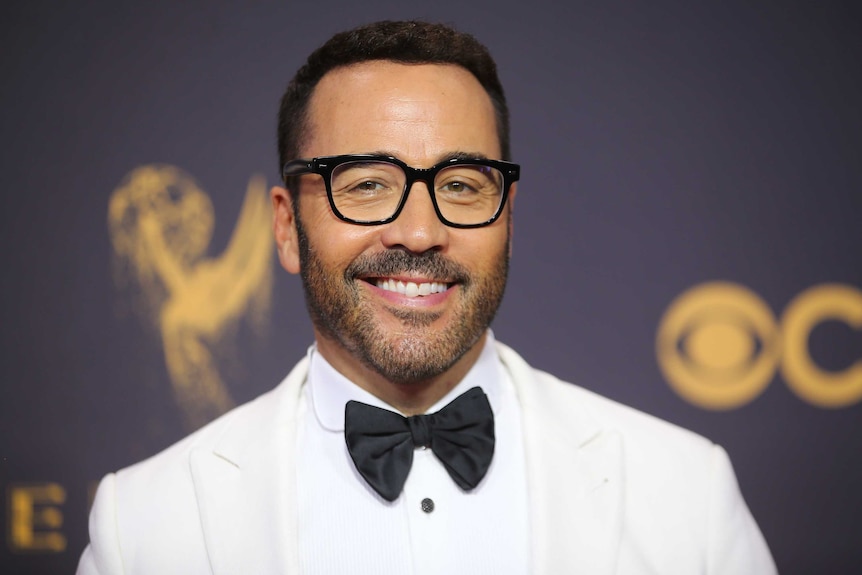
x,y
611,491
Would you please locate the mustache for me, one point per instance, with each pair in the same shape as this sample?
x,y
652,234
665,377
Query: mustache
x,y
394,262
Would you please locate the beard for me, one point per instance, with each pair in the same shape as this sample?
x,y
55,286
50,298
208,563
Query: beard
x,y
417,351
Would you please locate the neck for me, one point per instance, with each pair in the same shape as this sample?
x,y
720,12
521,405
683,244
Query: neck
x,y
411,398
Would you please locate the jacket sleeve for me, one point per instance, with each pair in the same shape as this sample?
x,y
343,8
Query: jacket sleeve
x,y
736,546
102,556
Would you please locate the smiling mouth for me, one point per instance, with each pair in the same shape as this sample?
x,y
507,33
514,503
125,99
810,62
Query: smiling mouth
x,y
411,289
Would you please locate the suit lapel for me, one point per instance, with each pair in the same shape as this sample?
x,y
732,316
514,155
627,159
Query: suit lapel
x,y
246,485
574,473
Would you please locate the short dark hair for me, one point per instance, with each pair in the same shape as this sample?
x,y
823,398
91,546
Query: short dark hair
x,y
408,42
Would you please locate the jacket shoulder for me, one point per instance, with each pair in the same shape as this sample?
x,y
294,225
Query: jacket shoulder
x,y
153,504
588,412
683,511
243,421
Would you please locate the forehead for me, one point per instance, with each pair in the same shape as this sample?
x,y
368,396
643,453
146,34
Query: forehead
x,y
411,110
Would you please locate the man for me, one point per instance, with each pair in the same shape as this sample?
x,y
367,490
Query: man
x,y
397,214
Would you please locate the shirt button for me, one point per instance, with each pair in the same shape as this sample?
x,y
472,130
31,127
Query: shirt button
x,y
427,505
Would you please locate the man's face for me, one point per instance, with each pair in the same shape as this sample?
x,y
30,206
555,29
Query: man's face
x,y
420,114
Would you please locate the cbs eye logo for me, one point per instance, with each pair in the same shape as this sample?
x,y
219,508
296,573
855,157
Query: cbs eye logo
x,y
719,345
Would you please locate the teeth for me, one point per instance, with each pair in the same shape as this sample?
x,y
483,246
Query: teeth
x,y
412,289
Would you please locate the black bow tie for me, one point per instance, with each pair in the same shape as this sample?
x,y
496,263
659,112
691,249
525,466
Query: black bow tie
x,y
381,442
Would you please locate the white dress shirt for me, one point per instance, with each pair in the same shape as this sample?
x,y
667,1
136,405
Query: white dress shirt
x,y
346,527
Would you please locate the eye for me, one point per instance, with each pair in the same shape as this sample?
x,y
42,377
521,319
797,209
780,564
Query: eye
x,y
367,186
364,179
469,182
456,187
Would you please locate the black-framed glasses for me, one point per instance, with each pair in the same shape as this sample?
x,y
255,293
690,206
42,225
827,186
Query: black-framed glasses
x,y
371,190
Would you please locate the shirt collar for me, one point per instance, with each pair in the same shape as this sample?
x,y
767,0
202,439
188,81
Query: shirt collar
x,y
330,391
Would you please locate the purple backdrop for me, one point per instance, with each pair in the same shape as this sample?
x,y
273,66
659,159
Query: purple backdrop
x,y
662,146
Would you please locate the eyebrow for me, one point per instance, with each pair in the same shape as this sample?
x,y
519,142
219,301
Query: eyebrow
x,y
454,155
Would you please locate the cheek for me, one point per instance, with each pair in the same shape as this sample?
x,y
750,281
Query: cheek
x,y
481,248
335,243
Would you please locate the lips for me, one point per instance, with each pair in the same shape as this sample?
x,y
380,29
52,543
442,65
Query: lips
x,y
409,288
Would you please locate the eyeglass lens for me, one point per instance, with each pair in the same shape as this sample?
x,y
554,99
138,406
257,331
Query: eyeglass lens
x,y
371,191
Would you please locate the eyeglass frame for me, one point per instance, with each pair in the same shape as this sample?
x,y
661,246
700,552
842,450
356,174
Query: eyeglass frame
x,y
325,165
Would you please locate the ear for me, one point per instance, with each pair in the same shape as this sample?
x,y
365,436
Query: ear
x,y
284,227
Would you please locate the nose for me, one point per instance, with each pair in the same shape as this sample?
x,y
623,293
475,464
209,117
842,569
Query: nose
x,y
417,228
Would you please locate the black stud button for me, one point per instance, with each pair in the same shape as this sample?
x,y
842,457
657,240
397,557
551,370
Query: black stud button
x,y
427,505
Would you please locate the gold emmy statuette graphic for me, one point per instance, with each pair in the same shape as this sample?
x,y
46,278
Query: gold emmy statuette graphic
x,y
161,224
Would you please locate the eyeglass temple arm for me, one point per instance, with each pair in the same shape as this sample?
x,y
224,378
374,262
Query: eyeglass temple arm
x,y
296,167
